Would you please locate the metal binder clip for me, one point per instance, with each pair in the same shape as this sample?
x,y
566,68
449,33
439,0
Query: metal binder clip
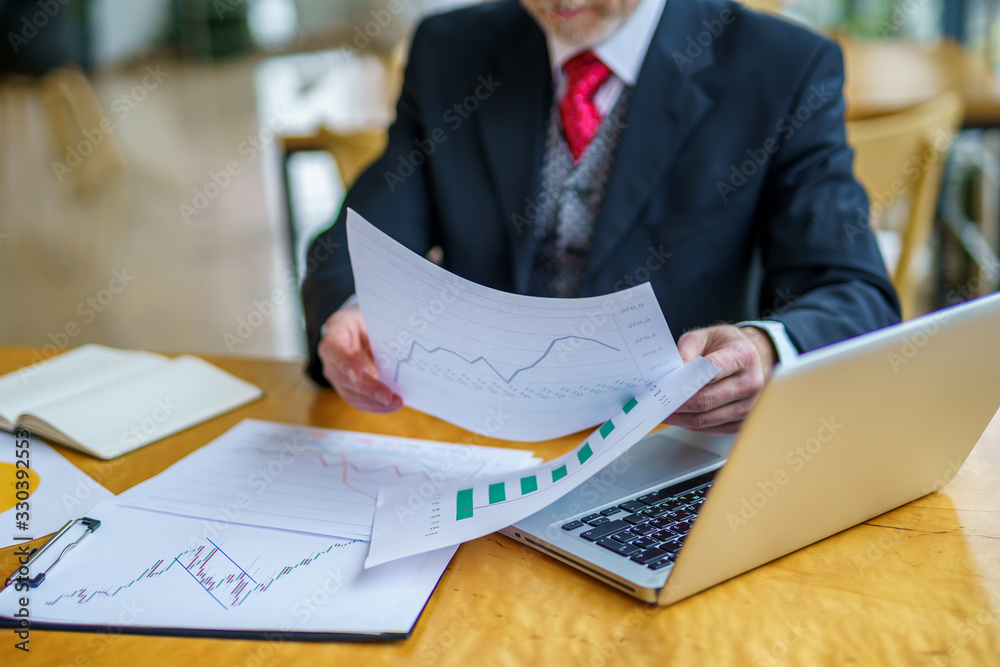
x,y
91,524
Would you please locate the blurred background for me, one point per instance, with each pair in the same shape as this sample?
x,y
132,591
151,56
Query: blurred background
x,y
164,162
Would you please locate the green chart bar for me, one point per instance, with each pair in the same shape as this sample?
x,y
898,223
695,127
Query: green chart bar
x,y
558,473
607,429
497,493
464,505
585,452
628,406
528,485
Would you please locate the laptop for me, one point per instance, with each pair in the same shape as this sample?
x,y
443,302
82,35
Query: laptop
x,y
839,436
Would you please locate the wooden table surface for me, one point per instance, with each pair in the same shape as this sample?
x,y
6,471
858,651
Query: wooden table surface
x,y
884,77
917,586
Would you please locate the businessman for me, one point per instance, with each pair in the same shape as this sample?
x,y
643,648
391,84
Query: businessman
x,y
577,147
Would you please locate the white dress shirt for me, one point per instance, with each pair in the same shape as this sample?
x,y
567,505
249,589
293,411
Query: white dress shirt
x,y
623,51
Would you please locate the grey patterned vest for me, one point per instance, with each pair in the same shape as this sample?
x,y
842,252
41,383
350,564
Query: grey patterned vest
x,y
570,201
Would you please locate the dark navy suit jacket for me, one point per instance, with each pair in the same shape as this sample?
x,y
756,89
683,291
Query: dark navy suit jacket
x,y
732,189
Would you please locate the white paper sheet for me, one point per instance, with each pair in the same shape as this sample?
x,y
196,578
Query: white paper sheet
x,y
508,366
144,569
313,480
408,523
57,490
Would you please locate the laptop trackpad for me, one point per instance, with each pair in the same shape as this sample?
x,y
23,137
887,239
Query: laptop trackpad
x,y
654,461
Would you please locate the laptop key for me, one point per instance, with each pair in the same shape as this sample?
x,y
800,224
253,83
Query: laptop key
x,y
598,521
653,498
661,522
603,530
647,556
644,529
572,525
645,542
590,517
611,511
618,547
624,536
660,564
635,519
632,506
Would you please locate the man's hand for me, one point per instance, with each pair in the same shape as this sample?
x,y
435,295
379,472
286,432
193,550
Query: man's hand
x,y
349,366
746,356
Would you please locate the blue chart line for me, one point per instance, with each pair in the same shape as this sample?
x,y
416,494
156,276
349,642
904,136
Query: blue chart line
x,y
236,587
415,344
231,560
200,583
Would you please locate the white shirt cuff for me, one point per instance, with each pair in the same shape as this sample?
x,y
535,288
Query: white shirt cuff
x,y
783,345
353,301
350,303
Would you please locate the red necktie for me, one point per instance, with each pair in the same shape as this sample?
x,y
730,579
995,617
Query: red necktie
x,y
580,118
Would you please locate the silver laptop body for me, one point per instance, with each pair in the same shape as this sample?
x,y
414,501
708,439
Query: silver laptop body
x,y
839,436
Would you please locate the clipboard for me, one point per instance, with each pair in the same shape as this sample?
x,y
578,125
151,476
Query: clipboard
x,y
189,585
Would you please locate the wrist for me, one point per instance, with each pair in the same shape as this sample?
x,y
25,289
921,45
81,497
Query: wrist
x,y
765,348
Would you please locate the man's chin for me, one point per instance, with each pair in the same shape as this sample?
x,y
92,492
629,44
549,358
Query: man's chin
x,y
584,33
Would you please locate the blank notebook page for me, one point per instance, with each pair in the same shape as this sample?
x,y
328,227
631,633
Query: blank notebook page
x,y
74,372
112,420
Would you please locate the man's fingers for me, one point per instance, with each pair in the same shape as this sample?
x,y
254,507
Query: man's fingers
x,y
724,419
367,403
365,385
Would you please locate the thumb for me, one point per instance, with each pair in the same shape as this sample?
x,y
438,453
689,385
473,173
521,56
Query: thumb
x,y
693,344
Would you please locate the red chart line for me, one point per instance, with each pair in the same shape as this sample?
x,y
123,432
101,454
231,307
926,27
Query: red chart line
x,y
348,484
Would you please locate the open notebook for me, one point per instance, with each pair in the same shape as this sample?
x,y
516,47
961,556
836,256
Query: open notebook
x,y
107,402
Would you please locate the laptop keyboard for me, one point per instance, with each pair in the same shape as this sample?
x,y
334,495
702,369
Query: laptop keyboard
x,y
650,528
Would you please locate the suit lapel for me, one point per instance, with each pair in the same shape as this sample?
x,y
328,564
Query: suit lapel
x,y
666,106
513,139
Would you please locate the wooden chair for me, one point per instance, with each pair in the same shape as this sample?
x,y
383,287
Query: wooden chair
x,y
63,191
900,159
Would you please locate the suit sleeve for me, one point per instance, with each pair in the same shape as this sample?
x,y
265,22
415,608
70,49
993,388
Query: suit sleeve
x,y
825,279
393,194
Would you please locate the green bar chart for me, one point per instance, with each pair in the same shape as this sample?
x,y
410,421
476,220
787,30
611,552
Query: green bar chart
x,y
464,505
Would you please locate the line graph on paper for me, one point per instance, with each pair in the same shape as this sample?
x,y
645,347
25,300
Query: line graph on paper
x,y
312,480
162,572
210,568
464,352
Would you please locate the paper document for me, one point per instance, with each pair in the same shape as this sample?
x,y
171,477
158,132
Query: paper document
x,y
52,492
407,523
145,570
504,365
306,479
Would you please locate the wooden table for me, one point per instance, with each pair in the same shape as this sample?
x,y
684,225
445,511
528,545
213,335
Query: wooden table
x,y
888,76
917,586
